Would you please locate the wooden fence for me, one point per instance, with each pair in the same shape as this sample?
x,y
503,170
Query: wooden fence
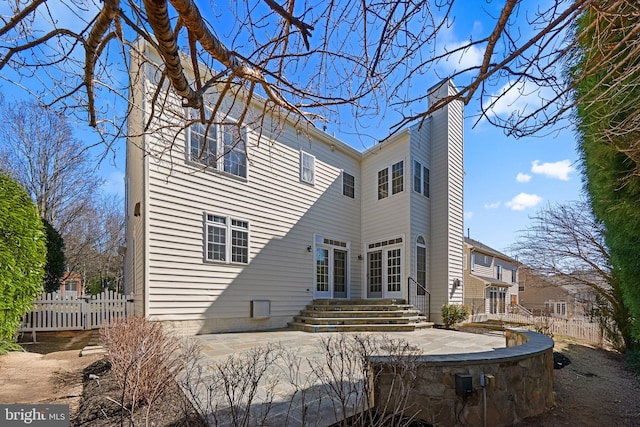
x,y
51,312
580,329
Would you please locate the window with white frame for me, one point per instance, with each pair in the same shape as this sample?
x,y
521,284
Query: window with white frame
x,y
383,183
307,167
226,239
219,146
514,275
499,272
394,185
348,185
397,177
420,178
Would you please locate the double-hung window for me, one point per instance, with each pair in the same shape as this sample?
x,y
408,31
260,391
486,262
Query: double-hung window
x,y
307,167
397,177
393,186
226,239
420,179
348,185
219,146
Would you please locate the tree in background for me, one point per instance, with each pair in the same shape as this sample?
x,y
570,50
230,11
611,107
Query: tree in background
x,y
55,267
606,74
37,149
22,258
94,243
566,243
306,58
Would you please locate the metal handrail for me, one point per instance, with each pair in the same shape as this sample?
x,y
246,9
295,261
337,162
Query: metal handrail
x,y
415,303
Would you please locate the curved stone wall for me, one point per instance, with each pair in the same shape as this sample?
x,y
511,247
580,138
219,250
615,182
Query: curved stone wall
x,y
519,383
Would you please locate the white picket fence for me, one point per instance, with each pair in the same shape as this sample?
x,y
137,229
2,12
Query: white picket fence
x,y
580,329
51,312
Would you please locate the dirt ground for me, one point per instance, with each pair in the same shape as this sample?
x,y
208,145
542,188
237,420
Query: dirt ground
x,y
595,389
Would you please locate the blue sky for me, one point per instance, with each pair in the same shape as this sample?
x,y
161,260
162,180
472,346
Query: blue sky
x,y
507,180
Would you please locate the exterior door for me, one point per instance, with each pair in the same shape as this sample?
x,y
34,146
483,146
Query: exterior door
x,y
331,273
374,274
384,273
339,273
322,273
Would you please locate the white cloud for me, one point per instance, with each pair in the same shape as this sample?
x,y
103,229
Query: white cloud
x,y
492,205
468,215
523,177
523,201
519,99
559,170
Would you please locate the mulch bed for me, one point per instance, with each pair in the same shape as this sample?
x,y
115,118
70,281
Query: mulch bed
x,y
99,405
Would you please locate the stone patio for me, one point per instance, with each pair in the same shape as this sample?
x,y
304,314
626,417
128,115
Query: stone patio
x,y
298,387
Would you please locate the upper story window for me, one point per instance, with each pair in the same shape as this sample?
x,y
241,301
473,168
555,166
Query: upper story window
x,y
307,167
514,275
383,183
473,261
397,177
348,185
226,239
420,178
499,272
219,146
393,186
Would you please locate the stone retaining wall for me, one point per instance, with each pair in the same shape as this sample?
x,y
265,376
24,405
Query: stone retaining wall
x,y
522,384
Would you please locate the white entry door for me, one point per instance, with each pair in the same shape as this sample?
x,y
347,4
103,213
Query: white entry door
x,y
331,272
384,273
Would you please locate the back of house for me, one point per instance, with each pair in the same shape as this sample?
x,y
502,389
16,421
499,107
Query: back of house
x,y
240,222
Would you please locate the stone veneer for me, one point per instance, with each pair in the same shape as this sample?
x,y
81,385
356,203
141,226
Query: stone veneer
x,y
522,385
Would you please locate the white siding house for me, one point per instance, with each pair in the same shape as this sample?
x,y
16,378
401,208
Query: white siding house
x,y
243,238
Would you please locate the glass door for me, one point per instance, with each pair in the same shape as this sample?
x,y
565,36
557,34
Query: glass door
x,y
339,273
374,274
322,273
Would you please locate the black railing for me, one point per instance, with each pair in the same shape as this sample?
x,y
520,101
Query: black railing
x,y
419,297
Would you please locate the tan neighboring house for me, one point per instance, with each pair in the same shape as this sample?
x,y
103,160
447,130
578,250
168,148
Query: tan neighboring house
x,y
490,279
71,285
286,214
552,296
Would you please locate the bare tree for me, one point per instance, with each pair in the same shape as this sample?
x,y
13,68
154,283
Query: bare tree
x,y
566,243
309,58
94,242
38,149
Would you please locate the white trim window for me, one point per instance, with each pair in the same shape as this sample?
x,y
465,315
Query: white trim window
x,y
420,178
219,146
307,168
394,185
348,185
226,239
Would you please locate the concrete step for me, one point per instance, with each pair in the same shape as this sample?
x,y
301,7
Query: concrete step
x,y
360,307
356,320
386,301
358,328
359,313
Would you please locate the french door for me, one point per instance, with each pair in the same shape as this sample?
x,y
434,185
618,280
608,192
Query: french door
x,y
331,272
384,273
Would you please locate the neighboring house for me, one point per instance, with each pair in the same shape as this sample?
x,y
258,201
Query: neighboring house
x,y
71,285
490,279
554,296
273,223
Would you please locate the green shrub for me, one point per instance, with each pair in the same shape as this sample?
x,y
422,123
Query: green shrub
x,y
23,254
454,313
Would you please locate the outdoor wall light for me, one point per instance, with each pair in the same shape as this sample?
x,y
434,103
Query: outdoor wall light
x,y
360,257
309,248
456,283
